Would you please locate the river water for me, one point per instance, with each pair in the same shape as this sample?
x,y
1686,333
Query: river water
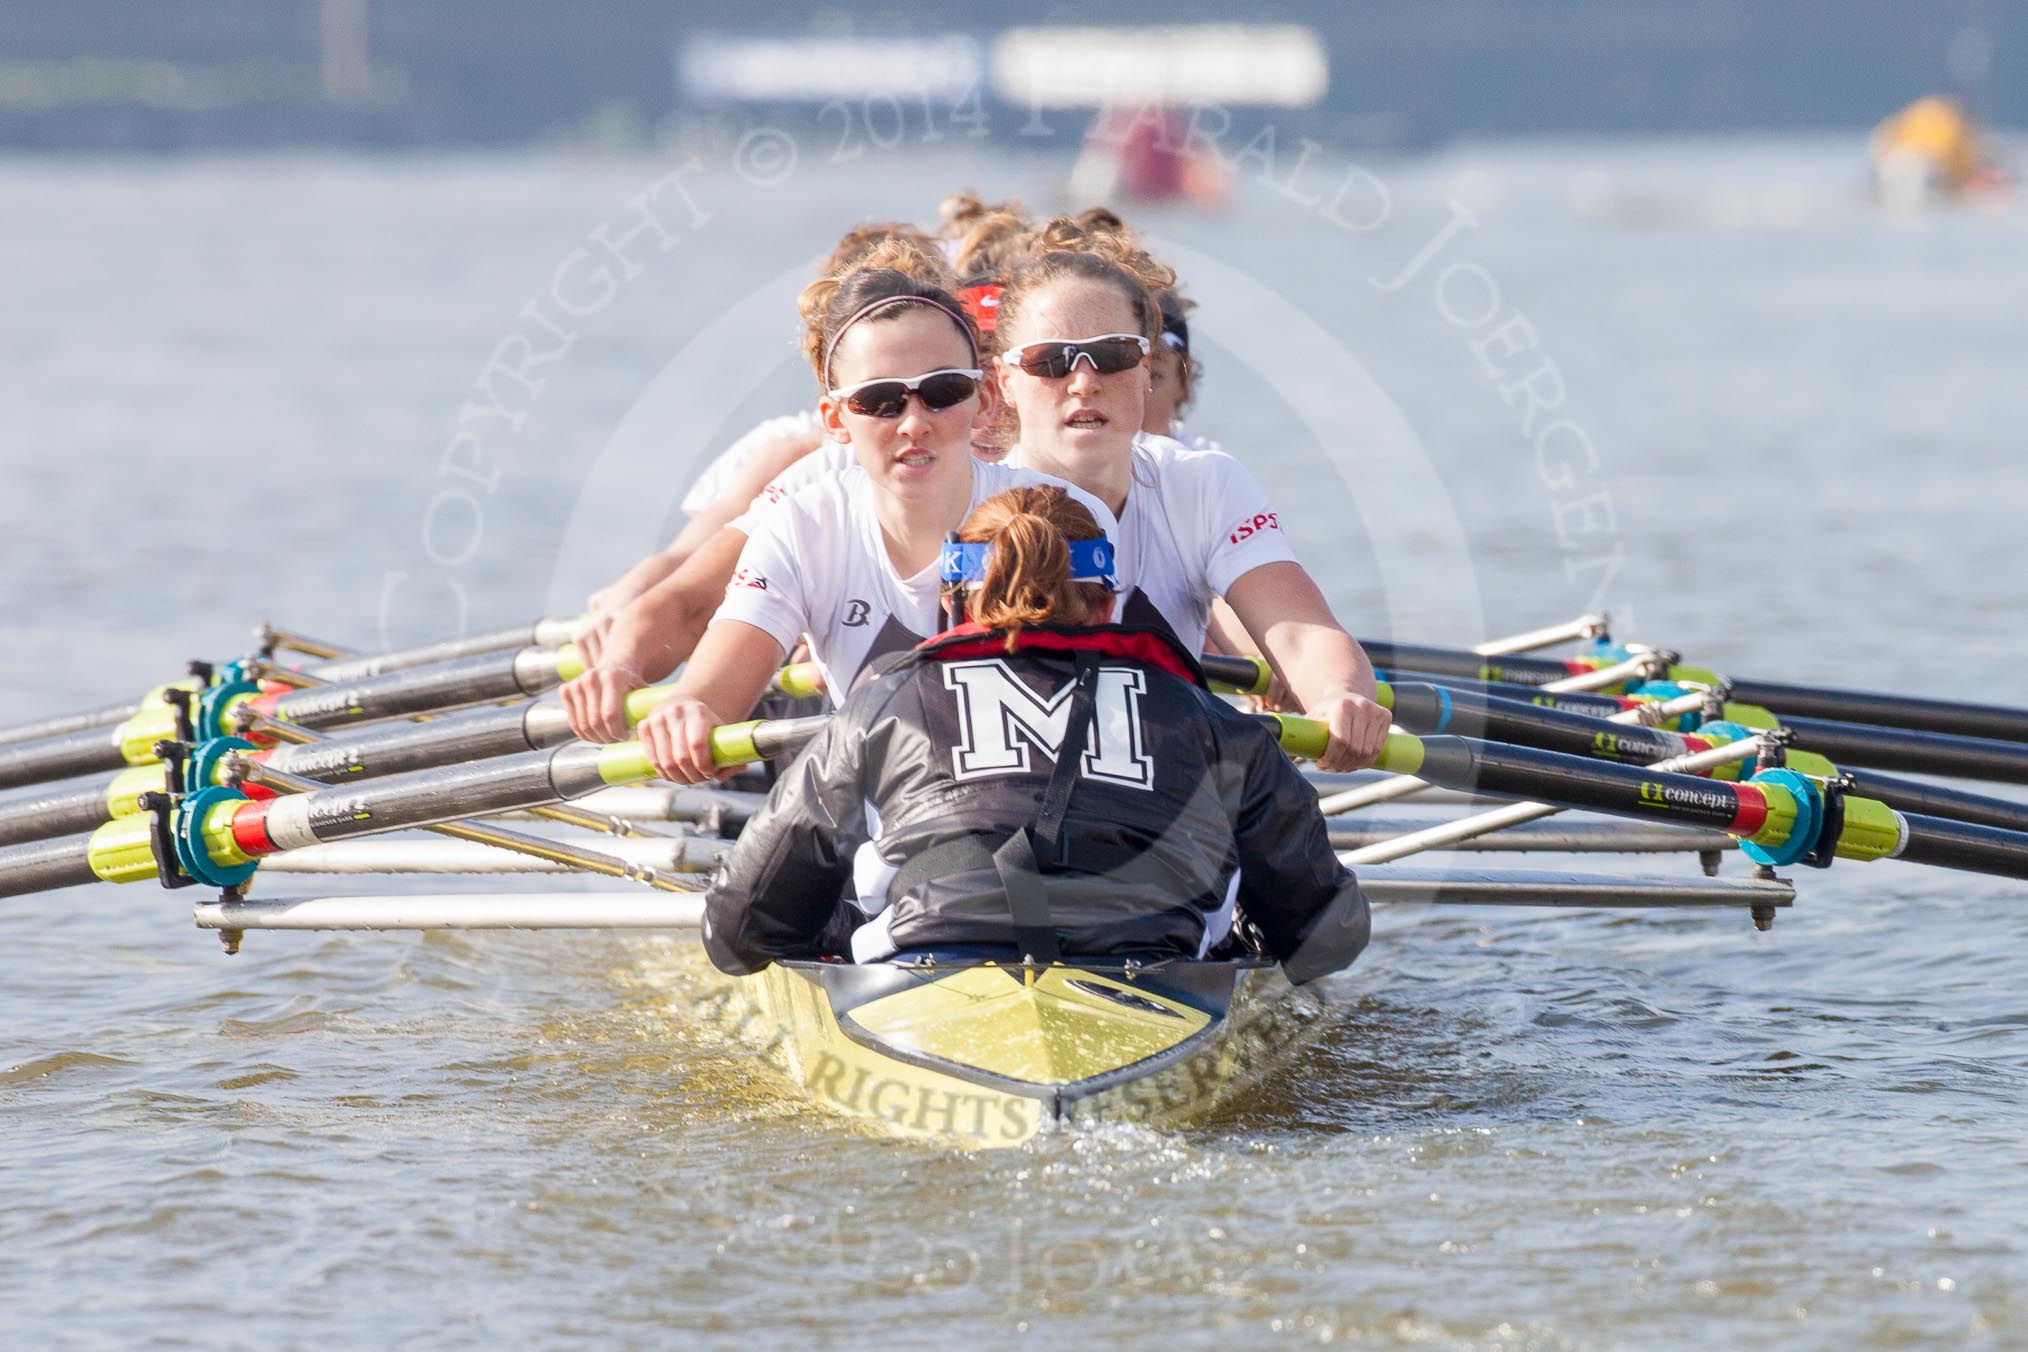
x,y
1704,385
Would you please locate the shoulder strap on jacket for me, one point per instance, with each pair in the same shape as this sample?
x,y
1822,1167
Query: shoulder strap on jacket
x,y
1025,856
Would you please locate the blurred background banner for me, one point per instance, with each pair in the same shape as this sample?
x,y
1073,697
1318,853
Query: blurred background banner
x,y
169,74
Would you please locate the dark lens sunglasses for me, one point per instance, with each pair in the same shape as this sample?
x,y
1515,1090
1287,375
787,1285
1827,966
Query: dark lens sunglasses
x,y
1055,358
887,397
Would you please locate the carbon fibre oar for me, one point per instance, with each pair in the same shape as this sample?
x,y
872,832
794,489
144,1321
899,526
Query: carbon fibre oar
x,y
483,679
1987,721
335,664
1926,753
1860,752
366,753
1953,717
220,834
1782,814
1572,722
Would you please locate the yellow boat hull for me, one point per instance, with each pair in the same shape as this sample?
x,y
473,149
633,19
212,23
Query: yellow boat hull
x,y
991,1055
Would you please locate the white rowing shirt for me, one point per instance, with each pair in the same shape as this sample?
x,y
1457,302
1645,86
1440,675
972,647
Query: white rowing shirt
x,y
816,564
718,476
833,457
1179,435
1195,522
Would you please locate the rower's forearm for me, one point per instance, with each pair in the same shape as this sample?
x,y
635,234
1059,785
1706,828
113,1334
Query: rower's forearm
x,y
653,636
1320,663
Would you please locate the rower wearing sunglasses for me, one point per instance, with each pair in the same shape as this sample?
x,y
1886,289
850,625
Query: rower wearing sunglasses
x,y
652,619
1078,319
851,560
1037,781
728,485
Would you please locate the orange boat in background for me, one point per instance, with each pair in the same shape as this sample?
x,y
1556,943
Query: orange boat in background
x,y
1932,151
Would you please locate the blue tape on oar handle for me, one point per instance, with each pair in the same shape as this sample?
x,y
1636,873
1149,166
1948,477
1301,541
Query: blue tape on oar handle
x,y
1809,825
190,851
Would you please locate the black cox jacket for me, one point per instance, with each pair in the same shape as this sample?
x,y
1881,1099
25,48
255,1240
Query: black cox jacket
x,y
943,757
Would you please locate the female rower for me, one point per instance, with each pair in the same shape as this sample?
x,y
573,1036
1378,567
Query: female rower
x,y
1161,808
850,561
1078,319
730,483
652,618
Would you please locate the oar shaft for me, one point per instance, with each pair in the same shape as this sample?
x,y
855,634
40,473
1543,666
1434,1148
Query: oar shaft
x,y
487,788
1937,800
1514,669
65,812
68,724
45,865
541,633
1897,711
1928,753
483,679
1961,845
489,678
76,753
1569,701
1429,709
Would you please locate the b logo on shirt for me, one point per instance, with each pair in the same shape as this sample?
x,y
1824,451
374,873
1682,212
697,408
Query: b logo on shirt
x,y
1254,526
855,614
1000,718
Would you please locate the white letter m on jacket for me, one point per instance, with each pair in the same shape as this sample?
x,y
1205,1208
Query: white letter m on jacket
x,y
1000,718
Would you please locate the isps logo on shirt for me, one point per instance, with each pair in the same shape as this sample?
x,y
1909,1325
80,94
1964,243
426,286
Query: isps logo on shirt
x,y
1252,526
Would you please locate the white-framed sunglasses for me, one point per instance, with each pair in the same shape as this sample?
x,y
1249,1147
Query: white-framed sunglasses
x,y
1055,358
887,396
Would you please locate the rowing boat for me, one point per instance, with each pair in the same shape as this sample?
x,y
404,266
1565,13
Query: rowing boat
x,y
985,1051
992,1053
981,1052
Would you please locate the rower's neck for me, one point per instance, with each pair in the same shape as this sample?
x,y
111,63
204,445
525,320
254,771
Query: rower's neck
x,y
913,529
1108,482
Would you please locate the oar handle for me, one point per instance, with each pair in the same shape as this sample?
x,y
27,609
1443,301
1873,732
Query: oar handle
x,y
1306,737
800,680
731,744
1236,675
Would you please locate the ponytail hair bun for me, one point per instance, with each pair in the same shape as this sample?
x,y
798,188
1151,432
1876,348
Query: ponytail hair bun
x,y
1028,575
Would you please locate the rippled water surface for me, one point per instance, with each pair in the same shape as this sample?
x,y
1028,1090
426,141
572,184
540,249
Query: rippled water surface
x,y
236,390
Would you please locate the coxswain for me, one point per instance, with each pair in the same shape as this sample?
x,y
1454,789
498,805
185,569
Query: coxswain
x,y
1038,783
